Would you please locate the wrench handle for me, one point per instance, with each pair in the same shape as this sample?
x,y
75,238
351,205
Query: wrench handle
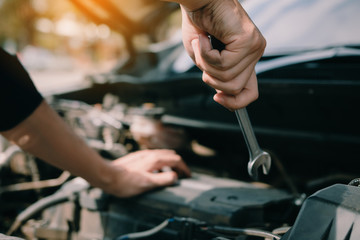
x,y
248,132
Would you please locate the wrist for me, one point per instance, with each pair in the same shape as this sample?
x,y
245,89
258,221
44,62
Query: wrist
x,y
101,174
104,176
193,6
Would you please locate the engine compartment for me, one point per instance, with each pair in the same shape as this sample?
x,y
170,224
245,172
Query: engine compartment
x,y
114,129
215,203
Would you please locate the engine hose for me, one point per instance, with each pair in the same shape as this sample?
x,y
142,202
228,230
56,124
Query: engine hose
x,y
146,233
67,193
6,156
37,207
37,184
245,231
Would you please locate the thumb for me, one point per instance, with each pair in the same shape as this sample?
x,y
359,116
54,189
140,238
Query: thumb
x,y
164,178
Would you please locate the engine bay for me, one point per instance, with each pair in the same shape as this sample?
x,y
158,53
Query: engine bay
x,y
215,203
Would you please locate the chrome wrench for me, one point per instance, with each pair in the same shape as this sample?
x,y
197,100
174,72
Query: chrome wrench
x,y
258,157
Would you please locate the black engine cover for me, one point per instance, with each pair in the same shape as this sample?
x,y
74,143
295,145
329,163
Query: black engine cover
x,y
330,214
215,201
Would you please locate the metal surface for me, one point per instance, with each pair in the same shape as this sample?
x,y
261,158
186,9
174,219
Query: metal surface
x,y
258,157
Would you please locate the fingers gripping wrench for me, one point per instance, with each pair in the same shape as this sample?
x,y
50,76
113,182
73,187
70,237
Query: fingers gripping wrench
x,y
258,157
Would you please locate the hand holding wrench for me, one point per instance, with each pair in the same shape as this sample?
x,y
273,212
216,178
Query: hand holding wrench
x,y
258,157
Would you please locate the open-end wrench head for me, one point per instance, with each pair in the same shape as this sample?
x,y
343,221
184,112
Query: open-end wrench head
x,y
263,159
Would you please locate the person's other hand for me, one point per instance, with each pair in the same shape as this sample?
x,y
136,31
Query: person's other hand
x,y
144,170
231,71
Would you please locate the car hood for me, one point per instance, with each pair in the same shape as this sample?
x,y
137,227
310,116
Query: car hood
x,y
291,26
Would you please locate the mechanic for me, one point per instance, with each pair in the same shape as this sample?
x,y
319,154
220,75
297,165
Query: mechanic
x,y
28,121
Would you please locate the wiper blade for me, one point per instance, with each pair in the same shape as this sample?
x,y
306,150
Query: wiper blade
x,y
267,65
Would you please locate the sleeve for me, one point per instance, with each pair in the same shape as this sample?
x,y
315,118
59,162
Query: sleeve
x,y
18,94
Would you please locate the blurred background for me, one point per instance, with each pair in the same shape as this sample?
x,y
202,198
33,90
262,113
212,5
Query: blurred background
x,y
60,41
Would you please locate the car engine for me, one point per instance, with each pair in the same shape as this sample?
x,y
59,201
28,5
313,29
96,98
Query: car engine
x,y
41,202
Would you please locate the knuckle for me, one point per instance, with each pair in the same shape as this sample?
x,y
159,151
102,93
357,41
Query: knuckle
x,y
206,78
177,159
147,152
257,41
254,41
209,80
160,161
254,96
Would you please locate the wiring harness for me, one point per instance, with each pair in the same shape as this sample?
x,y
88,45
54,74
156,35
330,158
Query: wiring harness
x,y
195,229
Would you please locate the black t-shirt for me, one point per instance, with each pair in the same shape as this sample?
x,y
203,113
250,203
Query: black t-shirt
x,y
18,95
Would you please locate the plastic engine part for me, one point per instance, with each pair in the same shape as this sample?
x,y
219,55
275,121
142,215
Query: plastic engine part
x,y
203,198
330,214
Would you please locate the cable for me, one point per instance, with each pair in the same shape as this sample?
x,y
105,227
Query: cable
x,y
146,233
66,193
37,184
281,230
6,155
37,207
245,231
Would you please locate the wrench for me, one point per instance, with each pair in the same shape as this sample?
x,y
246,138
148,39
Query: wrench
x,y
258,157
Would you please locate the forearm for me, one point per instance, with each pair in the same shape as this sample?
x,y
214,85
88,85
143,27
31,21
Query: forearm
x,y
45,135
